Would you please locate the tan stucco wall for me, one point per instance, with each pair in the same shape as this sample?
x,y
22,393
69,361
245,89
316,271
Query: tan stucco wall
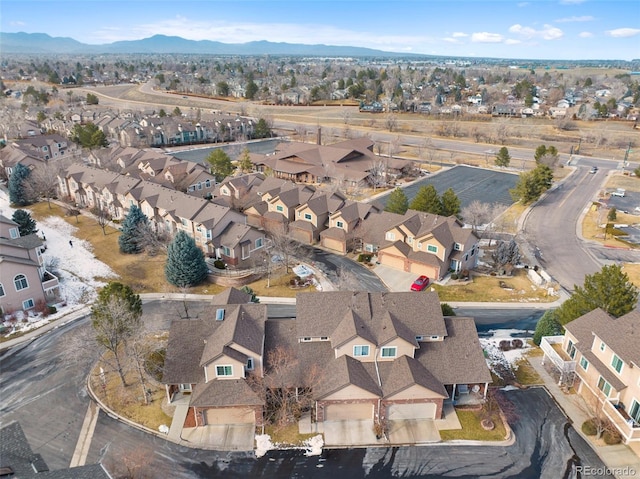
x,y
414,392
347,348
238,368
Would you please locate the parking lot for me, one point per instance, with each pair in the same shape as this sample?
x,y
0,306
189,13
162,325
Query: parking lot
x,y
469,184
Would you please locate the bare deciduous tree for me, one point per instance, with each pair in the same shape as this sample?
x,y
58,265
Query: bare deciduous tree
x,y
283,244
476,214
286,387
102,217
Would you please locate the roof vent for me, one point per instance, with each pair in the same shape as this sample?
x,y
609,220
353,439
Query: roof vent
x,y
219,314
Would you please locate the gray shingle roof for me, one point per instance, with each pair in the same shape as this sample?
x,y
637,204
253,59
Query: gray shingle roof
x,y
224,392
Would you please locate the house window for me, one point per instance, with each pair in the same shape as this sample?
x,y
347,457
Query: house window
x,y
225,250
602,346
390,236
324,338
20,281
339,224
14,233
389,352
584,364
434,338
419,338
571,349
457,246
259,243
28,304
279,208
2,293
634,411
207,183
604,386
307,216
250,364
183,221
224,371
432,249
617,363
185,387
306,339
360,351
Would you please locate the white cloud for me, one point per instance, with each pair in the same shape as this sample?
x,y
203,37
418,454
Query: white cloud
x,y
523,4
548,32
512,41
455,41
583,18
571,2
623,32
585,34
17,23
459,34
486,37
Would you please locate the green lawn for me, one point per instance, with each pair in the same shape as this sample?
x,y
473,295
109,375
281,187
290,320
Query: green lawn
x,y
471,428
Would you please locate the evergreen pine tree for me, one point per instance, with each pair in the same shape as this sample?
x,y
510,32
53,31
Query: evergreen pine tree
x,y
185,262
398,202
17,192
548,325
427,200
450,203
26,224
130,230
503,158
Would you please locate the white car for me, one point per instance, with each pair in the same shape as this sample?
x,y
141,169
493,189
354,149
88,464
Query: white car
x,y
619,192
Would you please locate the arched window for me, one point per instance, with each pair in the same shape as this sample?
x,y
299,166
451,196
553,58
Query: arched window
x,y
2,293
21,282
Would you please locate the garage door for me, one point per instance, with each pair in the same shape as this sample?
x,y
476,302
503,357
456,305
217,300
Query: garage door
x,y
392,261
229,415
333,244
343,412
411,411
420,269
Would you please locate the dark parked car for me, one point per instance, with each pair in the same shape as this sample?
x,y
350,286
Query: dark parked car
x,y
420,284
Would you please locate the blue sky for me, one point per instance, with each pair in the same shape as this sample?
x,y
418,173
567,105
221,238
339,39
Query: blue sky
x,y
537,29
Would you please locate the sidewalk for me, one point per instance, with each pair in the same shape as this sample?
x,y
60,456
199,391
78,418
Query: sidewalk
x,y
574,407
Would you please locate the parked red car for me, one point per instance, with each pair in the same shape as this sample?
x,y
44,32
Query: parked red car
x,y
420,284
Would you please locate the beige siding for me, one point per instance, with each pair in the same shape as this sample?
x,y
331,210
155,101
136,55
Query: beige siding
x,y
12,300
257,359
238,368
403,348
415,392
350,392
347,349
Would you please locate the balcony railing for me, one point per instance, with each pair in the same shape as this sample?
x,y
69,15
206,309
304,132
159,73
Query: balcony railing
x,y
49,281
564,366
627,426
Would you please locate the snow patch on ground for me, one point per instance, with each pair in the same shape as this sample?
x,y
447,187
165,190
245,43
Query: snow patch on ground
x,y
499,360
263,444
77,267
314,445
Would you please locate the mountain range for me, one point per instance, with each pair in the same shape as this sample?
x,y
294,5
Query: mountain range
x,y
41,43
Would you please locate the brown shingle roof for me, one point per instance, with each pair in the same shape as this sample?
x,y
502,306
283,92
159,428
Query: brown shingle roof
x,y
405,372
621,334
224,392
459,358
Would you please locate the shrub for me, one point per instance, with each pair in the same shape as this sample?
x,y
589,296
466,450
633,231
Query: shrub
x,y
611,437
219,264
364,258
53,310
589,427
517,343
505,345
454,275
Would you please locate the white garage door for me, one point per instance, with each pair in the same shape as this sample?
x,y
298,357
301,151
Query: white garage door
x,y
229,415
344,412
411,411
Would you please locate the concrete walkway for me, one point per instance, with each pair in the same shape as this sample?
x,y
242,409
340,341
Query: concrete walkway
x,y
179,416
619,457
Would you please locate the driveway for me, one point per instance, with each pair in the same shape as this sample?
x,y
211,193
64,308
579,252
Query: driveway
x,y
359,432
221,437
395,280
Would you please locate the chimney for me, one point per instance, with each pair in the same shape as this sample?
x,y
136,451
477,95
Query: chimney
x,y
319,141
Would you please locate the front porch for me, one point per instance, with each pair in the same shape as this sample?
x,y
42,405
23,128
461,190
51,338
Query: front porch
x,y
625,424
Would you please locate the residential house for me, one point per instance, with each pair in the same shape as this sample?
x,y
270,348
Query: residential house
x,y
209,359
384,356
360,356
599,356
34,151
350,162
342,232
421,243
17,459
24,280
312,217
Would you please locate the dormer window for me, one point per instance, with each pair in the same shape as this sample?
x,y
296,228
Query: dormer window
x,y
389,352
339,224
457,246
222,371
250,364
14,233
432,248
359,351
390,236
